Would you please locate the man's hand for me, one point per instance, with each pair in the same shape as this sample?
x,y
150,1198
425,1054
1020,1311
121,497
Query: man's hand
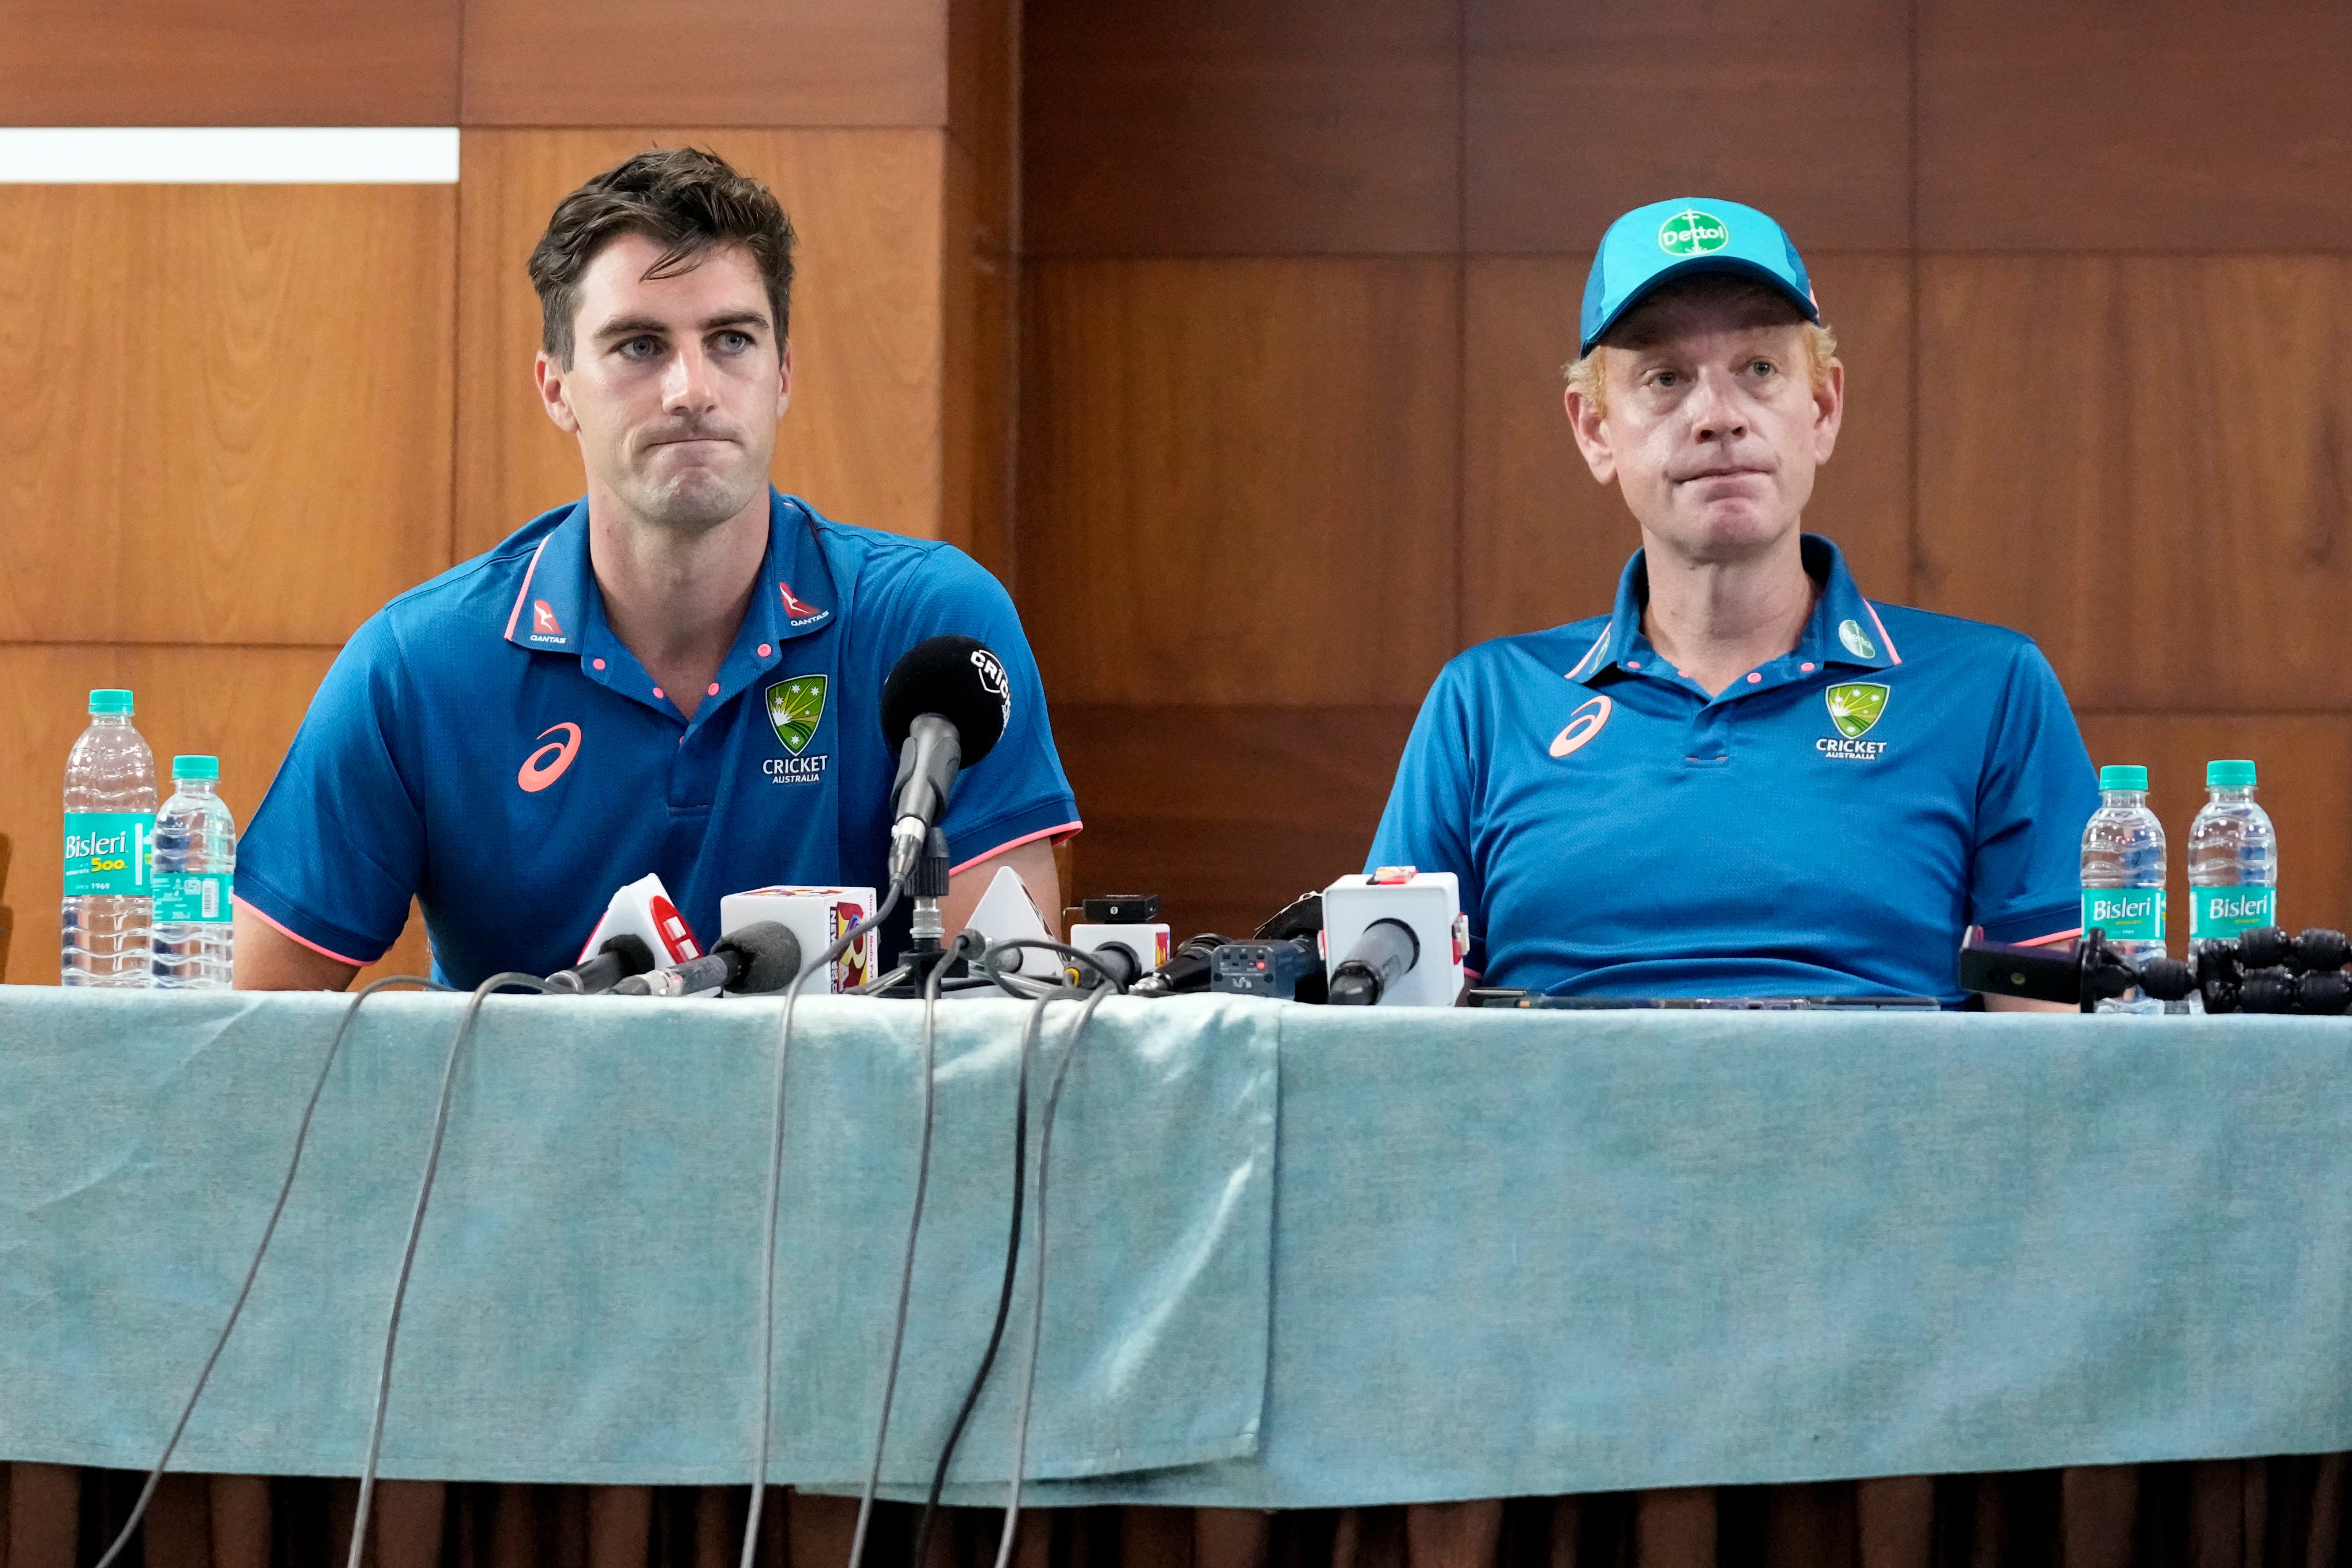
x,y
2026,1004
1034,862
269,960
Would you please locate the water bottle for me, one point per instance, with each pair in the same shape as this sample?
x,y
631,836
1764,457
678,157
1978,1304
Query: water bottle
x,y
2233,857
2123,877
110,814
196,872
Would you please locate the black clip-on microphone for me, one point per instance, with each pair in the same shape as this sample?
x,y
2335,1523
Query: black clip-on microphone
x,y
616,960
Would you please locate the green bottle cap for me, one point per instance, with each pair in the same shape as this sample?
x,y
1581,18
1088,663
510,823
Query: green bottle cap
x,y
110,699
2123,778
195,768
2235,774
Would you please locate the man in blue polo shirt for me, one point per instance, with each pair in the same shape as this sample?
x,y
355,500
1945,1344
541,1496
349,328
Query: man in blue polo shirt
x,y
680,673
1747,779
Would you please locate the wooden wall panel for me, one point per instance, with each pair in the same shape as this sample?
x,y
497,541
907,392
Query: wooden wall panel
x,y
861,440
240,429
2146,464
1238,479
2173,125
228,62
977,348
1226,812
1542,544
717,62
1576,113
983,111
2305,766
1178,127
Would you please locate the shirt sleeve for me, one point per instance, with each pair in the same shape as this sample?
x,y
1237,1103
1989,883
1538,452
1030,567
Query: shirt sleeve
x,y
1018,792
2037,790
1428,821
335,852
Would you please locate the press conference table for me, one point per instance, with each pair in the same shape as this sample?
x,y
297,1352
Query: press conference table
x,y
1297,1258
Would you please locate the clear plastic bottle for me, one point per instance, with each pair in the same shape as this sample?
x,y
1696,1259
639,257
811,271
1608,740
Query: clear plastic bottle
x,y
2123,876
2233,857
195,872
109,802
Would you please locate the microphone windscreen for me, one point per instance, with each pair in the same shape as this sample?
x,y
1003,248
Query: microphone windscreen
x,y
630,950
771,953
958,679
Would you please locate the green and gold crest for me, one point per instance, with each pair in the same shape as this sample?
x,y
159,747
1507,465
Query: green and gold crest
x,y
794,707
1854,706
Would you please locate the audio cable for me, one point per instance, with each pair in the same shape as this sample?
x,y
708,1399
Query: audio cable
x,y
253,1270
967,946
511,979
991,966
824,961
1037,1307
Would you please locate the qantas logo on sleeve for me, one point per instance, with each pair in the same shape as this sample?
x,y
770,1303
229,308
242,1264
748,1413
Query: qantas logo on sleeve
x,y
546,765
799,610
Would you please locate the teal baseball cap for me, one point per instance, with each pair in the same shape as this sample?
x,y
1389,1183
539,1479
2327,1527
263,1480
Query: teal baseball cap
x,y
1666,240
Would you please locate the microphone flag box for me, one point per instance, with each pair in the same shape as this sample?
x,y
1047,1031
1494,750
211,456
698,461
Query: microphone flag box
x,y
817,917
1429,902
644,909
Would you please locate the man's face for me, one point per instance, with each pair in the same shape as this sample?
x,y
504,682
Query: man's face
x,y
676,384
1710,424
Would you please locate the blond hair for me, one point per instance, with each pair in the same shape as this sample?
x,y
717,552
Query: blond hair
x,y
1583,373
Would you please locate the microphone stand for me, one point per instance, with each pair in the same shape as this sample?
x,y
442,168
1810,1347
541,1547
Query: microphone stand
x,y
927,950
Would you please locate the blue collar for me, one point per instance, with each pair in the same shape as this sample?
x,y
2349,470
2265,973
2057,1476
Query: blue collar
x,y
1842,630
558,608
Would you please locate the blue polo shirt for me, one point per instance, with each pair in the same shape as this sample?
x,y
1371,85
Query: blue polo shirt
x,y
486,744
1826,826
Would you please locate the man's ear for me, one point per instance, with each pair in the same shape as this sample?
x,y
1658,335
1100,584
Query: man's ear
x,y
1829,412
551,394
1591,435
784,379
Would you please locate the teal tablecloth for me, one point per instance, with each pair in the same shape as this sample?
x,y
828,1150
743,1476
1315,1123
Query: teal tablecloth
x,y
1480,1255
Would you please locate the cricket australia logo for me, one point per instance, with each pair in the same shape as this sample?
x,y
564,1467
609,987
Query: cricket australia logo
x,y
1855,708
796,709
1693,232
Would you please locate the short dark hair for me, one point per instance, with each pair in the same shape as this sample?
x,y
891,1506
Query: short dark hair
x,y
683,199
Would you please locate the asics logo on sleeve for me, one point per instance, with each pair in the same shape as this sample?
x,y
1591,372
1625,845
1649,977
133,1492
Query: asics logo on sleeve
x,y
537,771
1582,726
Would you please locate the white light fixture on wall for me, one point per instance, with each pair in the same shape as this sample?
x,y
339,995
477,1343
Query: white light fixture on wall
x,y
229,155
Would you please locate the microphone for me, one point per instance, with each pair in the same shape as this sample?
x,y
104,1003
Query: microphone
x,y
1382,956
1188,970
620,957
755,958
944,707
1394,938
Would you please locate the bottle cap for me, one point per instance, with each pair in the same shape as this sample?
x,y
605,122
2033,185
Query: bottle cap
x,y
2123,778
195,768
2235,774
110,699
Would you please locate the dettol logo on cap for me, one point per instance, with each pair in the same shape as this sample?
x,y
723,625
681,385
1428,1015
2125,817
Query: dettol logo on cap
x,y
1693,232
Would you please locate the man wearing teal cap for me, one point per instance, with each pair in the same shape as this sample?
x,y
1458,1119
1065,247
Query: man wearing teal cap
x,y
1747,779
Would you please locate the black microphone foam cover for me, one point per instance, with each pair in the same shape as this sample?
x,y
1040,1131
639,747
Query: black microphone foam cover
x,y
771,953
957,678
